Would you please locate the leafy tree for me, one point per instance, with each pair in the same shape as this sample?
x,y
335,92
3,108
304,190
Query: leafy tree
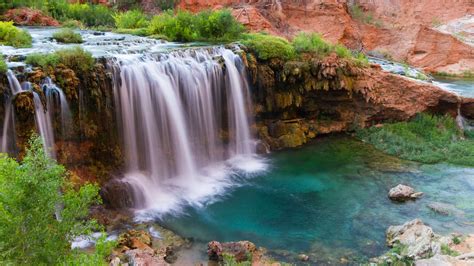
x,y
40,211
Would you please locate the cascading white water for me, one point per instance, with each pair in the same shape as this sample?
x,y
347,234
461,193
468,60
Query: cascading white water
x,y
44,125
184,126
8,131
55,98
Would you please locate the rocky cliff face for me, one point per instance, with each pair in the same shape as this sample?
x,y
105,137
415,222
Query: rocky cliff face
x,y
293,102
404,30
90,149
297,101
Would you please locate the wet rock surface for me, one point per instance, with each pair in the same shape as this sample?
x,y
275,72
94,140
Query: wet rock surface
x,y
416,243
403,193
238,252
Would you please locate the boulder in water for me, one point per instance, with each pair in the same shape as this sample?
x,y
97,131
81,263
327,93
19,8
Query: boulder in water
x,y
403,193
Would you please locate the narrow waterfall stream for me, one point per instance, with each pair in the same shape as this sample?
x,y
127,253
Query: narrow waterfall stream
x,y
44,117
184,124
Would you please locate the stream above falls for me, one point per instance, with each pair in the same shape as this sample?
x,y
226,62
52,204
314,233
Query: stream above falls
x,y
462,87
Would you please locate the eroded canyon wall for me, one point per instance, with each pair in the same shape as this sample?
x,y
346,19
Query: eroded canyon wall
x,y
401,29
292,102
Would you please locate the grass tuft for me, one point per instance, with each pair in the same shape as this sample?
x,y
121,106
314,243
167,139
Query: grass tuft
x,y
67,35
426,139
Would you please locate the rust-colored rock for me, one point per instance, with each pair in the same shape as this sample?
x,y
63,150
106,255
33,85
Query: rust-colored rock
x,y
29,17
331,96
403,30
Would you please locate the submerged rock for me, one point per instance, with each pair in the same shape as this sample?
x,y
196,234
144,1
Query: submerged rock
x,y
403,193
445,209
303,257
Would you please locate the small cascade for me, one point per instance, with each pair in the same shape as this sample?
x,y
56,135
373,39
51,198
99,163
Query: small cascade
x,y
8,131
56,100
463,123
44,125
44,115
184,125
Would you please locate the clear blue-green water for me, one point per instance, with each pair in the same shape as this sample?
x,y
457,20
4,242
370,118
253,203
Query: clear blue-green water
x,y
329,200
463,87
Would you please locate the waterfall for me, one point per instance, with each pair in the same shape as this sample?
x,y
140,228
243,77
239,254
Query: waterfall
x,y
8,130
184,125
55,100
44,125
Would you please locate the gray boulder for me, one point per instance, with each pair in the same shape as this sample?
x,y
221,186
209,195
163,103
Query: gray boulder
x,y
418,240
403,193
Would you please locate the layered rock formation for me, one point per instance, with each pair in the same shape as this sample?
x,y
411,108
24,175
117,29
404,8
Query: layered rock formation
x,y
296,101
293,102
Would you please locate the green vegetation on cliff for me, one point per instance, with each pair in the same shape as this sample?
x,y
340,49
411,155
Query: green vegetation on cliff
x,y
41,212
427,139
13,36
268,46
67,35
74,58
3,65
315,44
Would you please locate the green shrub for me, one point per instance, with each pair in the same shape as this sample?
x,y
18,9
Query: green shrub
x,y
315,44
42,60
3,65
132,19
427,139
184,26
180,27
12,36
74,58
342,51
73,24
90,15
268,46
311,43
456,240
67,35
218,25
446,250
40,211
